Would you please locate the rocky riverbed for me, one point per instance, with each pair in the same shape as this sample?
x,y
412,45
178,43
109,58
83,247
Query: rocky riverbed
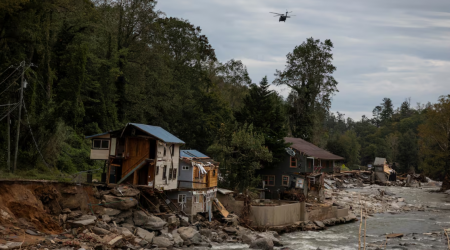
x,y
418,214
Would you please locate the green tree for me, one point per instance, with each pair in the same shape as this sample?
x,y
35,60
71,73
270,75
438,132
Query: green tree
x,y
407,151
347,146
264,109
387,111
435,141
240,152
309,74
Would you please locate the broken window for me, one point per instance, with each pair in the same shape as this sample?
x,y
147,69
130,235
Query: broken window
x,y
181,198
174,175
100,144
214,172
170,174
164,172
157,170
285,180
164,151
269,180
196,198
293,162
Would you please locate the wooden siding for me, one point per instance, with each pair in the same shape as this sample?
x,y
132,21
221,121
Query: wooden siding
x,y
212,177
136,150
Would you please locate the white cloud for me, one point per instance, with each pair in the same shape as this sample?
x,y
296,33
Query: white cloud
x,y
383,48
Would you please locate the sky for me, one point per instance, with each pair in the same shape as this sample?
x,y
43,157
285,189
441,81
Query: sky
x,y
385,48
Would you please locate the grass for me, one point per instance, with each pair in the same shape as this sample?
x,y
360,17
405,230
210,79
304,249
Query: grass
x,y
40,174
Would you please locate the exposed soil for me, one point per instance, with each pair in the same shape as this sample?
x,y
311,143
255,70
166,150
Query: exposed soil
x,y
36,216
37,205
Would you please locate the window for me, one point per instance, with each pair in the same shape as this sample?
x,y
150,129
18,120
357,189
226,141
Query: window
x,y
293,162
196,198
285,180
214,172
164,172
185,168
181,198
173,149
157,170
174,174
269,180
100,144
164,151
170,174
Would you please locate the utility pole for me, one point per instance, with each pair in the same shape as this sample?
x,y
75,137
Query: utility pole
x,y
20,113
9,141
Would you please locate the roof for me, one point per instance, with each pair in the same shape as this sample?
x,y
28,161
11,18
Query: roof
x,y
157,132
379,161
192,154
311,149
91,136
224,191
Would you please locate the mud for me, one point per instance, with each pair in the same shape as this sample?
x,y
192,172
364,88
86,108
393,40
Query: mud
x,y
37,205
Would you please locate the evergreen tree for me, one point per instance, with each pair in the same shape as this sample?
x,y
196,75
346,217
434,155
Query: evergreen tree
x,y
309,74
387,111
240,151
407,151
264,109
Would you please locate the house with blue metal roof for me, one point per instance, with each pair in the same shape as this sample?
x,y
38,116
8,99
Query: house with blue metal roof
x,y
197,183
138,154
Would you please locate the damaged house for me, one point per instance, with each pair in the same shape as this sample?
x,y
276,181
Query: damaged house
x,y
197,183
138,154
300,173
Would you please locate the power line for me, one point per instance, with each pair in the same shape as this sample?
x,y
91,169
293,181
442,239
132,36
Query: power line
x,y
11,110
22,64
8,104
35,143
12,83
10,66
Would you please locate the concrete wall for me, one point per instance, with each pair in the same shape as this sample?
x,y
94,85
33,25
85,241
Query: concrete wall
x,y
285,214
326,213
276,215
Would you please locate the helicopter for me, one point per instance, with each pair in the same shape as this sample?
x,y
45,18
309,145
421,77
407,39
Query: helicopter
x,y
282,16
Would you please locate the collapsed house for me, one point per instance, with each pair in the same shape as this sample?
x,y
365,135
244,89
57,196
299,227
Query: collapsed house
x,y
138,154
150,157
300,173
197,183
382,172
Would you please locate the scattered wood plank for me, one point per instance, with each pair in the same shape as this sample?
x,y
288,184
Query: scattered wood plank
x,y
394,235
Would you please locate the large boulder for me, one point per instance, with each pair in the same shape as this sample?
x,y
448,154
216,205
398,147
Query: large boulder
x,y
319,224
190,234
110,211
121,203
140,218
248,238
144,234
262,243
178,241
270,236
154,223
230,230
162,242
125,192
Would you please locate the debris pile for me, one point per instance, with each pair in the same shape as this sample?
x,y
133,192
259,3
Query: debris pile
x,y
119,221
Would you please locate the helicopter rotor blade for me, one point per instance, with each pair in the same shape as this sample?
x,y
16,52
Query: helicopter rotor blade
x,y
275,13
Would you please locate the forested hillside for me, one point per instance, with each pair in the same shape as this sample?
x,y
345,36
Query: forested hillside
x,y
94,65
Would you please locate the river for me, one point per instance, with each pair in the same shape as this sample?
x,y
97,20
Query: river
x,y
415,226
